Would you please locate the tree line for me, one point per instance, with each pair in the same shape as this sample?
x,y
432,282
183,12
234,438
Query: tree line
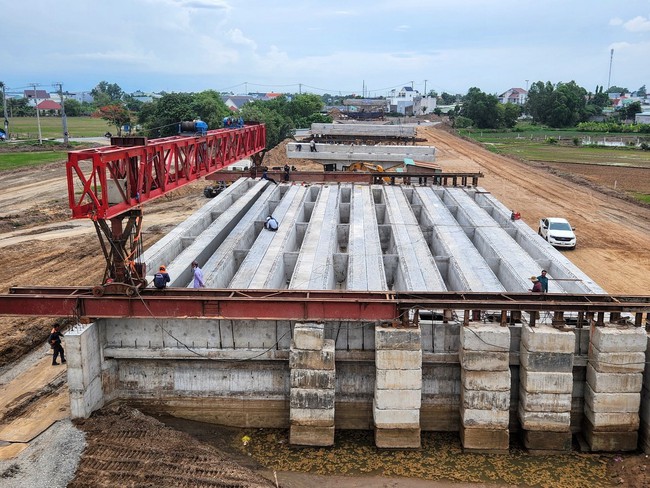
x,y
557,105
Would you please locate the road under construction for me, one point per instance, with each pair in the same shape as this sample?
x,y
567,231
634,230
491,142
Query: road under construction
x,y
393,307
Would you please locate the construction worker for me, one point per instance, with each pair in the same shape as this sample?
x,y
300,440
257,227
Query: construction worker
x,y
271,224
55,343
312,145
198,276
161,278
265,175
537,286
544,281
286,172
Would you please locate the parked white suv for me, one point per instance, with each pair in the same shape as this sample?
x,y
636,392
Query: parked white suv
x,y
558,232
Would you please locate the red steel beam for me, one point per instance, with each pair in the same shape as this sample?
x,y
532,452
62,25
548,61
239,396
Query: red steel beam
x,y
294,304
137,174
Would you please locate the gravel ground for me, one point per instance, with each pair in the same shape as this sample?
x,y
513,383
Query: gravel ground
x,y
50,461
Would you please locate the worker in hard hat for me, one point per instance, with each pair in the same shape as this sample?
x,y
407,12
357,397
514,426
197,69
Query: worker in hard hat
x,y
161,278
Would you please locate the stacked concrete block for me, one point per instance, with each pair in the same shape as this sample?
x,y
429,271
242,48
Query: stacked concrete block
x,y
545,387
645,404
313,375
613,390
485,387
398,387
84,369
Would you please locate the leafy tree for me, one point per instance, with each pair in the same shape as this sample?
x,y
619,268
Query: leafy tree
x,y
106,93
538,103
641,92
563,105
600,98
132,103
19,107
278,125
447,99
161,119
511,113
630,110
73,108
210,108
116,115
617,89
483,109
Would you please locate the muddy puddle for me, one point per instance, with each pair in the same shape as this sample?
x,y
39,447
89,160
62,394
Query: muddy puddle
x,y
354,461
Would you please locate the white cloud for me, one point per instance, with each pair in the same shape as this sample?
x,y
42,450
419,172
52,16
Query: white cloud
x,y
616,21
403,28
238,37
637,24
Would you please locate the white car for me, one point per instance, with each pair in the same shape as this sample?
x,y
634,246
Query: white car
x,y
558,232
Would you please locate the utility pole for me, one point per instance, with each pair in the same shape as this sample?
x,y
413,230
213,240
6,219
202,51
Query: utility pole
x,y
300,88
38,117
4,107
425,88
64,119
609,78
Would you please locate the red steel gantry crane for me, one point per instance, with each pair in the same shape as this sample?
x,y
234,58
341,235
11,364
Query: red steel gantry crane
x,y
109,185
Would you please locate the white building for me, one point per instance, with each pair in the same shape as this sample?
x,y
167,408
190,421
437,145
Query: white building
x,y
410,102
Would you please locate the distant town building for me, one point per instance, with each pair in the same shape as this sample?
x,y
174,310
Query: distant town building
x,y
409,101
518,96
49,106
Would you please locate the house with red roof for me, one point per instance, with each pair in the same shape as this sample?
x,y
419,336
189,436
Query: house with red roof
x,y
49,106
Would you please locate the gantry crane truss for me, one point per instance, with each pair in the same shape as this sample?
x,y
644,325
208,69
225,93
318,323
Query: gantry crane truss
x,y
110,184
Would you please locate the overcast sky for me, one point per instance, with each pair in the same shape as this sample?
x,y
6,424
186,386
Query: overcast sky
x,y
327,46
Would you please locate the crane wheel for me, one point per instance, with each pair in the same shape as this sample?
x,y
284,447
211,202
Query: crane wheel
x,y
98,291
130,291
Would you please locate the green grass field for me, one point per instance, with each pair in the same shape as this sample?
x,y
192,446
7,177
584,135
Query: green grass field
x,y
51,127
531,145
15,160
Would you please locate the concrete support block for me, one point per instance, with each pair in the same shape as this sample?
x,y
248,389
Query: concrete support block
x,y
546,361
485,337
547,339
616,362
544,421
485,380
399,379
397,438
489,440
396,419
610,441
612,421
546,382
392,339
313,378
312,359
309,336
398,399
547,441
544,402
484,361
311,398
84,402
612,402
307,435
485,400
619,338
312,416
489,419
398,359
613,382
